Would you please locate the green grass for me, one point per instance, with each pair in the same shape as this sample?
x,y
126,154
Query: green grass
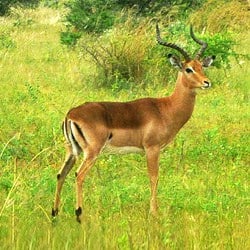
x,y
204,174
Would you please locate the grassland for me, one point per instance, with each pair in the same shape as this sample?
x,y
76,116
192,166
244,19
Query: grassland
x,y
204,175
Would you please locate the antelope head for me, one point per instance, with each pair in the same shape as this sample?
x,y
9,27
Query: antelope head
x,y
191,70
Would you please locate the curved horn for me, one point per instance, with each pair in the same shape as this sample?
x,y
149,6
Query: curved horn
x,y
202,43
171,45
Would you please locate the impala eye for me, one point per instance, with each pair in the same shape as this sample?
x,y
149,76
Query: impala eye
x,y
188,70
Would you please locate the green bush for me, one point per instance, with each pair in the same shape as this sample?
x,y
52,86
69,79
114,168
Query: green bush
x,y
90,15
221,44
69,38
119,54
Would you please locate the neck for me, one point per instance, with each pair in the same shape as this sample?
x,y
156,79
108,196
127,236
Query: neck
x,y
182,100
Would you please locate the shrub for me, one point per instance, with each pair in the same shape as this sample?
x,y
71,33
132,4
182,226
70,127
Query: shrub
x,y
120,53
222,44
69,38
90,15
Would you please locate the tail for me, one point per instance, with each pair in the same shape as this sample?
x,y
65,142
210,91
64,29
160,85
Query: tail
x,y
73,135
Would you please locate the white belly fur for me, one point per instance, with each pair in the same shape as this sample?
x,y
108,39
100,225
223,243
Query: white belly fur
x,y
121,150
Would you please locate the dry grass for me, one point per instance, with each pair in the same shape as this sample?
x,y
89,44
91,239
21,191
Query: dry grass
x,y
222,16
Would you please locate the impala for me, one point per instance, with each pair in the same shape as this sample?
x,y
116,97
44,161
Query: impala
x,y
144,125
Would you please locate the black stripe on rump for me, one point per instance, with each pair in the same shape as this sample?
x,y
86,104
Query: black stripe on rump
x,y
110,136
76,144
80,132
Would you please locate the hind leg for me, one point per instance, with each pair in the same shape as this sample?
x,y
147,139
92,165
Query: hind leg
x,y
88,163
67,166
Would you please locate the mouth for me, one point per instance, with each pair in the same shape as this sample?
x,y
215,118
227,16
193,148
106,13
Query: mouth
x,y
206,85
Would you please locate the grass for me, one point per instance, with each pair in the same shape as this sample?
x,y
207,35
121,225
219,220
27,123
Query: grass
x,y
204,175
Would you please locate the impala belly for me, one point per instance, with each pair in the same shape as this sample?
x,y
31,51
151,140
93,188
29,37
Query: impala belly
x,y
110,149
123,141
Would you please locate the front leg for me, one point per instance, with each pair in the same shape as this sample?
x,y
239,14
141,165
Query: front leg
x,y
152,155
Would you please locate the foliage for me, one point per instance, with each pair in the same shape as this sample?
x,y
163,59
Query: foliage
x,y
90,15
222,44
129,53
69,37
6,4
115,52
96,16
149,7
119,54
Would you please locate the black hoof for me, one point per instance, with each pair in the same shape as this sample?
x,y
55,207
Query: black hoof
x,y
78,213
54,212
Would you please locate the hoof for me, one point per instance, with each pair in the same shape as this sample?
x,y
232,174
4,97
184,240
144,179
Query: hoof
x,y
78,214
54,212
78,211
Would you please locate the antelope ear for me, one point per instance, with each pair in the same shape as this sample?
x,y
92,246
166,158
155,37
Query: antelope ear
x,y
175,61
207,61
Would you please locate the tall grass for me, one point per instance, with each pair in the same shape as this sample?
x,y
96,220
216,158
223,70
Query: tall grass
x,y
120,55
204,175
222,15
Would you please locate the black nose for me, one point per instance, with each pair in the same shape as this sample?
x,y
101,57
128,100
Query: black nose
x,y
206,84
